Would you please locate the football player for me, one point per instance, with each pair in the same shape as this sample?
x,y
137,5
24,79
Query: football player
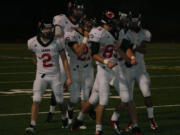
x,y
81,67
47,49
139,38
63,23
124,58
103,43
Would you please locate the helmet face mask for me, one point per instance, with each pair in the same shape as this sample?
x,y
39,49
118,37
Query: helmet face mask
x,y
135,23
46,30
76,9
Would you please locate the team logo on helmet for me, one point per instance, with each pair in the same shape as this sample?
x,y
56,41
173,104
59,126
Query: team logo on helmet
x,y
110,14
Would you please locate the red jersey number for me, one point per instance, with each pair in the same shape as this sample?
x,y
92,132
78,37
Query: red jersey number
x,y
108,52
46,58
85,56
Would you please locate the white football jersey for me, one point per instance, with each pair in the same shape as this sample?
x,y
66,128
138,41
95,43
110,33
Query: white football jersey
x,y
74,36
47,57
121,35
107,43
63,21
137,39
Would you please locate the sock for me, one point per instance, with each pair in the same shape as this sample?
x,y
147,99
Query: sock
x,y
150,112
98,127
81,116
52,109
115,116
63,116
33,122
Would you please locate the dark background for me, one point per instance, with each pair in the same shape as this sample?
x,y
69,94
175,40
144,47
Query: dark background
x,y
19,19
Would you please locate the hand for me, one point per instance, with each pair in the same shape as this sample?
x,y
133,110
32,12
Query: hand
x,y
133,62
111,64
68,81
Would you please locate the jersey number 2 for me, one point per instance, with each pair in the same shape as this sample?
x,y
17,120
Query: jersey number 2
x,y
46,58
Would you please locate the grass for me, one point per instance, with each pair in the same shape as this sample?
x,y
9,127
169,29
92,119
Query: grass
x,y
17,72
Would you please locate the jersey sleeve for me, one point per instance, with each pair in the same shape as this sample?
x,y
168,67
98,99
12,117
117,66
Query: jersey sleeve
x,y
59,20
95,34
147,35
70,36
31,45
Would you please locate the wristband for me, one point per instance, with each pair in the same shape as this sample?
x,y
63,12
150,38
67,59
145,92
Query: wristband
x,y
84,41
133,57
105,61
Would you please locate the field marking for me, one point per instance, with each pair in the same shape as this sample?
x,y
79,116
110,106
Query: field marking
x,y
163,67
15,73
152,76
11,57
47,94
31,81
16,82
108,109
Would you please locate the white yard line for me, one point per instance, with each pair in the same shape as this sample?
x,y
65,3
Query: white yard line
x,y
108,109
15,73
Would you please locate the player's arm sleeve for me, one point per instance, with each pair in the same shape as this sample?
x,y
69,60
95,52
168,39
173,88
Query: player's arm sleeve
x,y
94,48
148,35
30,45
126,44
58,23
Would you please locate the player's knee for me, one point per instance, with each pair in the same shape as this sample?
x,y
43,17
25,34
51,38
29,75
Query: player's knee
x,y
104,101
37,97
59,97
146,93
74,99
125,97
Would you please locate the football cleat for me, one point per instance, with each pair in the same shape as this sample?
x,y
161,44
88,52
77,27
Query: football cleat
x,y
136,131
30,130
76,125
82,126
49,117
128,128
115,125
153,123
99,133
65,123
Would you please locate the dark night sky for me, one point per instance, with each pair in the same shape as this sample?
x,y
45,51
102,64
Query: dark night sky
x,y
18,20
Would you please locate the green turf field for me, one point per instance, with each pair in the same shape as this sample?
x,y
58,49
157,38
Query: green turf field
x,y
17,75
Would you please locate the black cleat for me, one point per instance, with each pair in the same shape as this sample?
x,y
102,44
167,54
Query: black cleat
x,y
65,123
76,125
49,117
153,124
30,130
136,131
99,133
115,126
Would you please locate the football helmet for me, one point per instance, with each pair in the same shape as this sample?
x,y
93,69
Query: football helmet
x,y
46,29
77,8
88,23
110,18
134,23
123,19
